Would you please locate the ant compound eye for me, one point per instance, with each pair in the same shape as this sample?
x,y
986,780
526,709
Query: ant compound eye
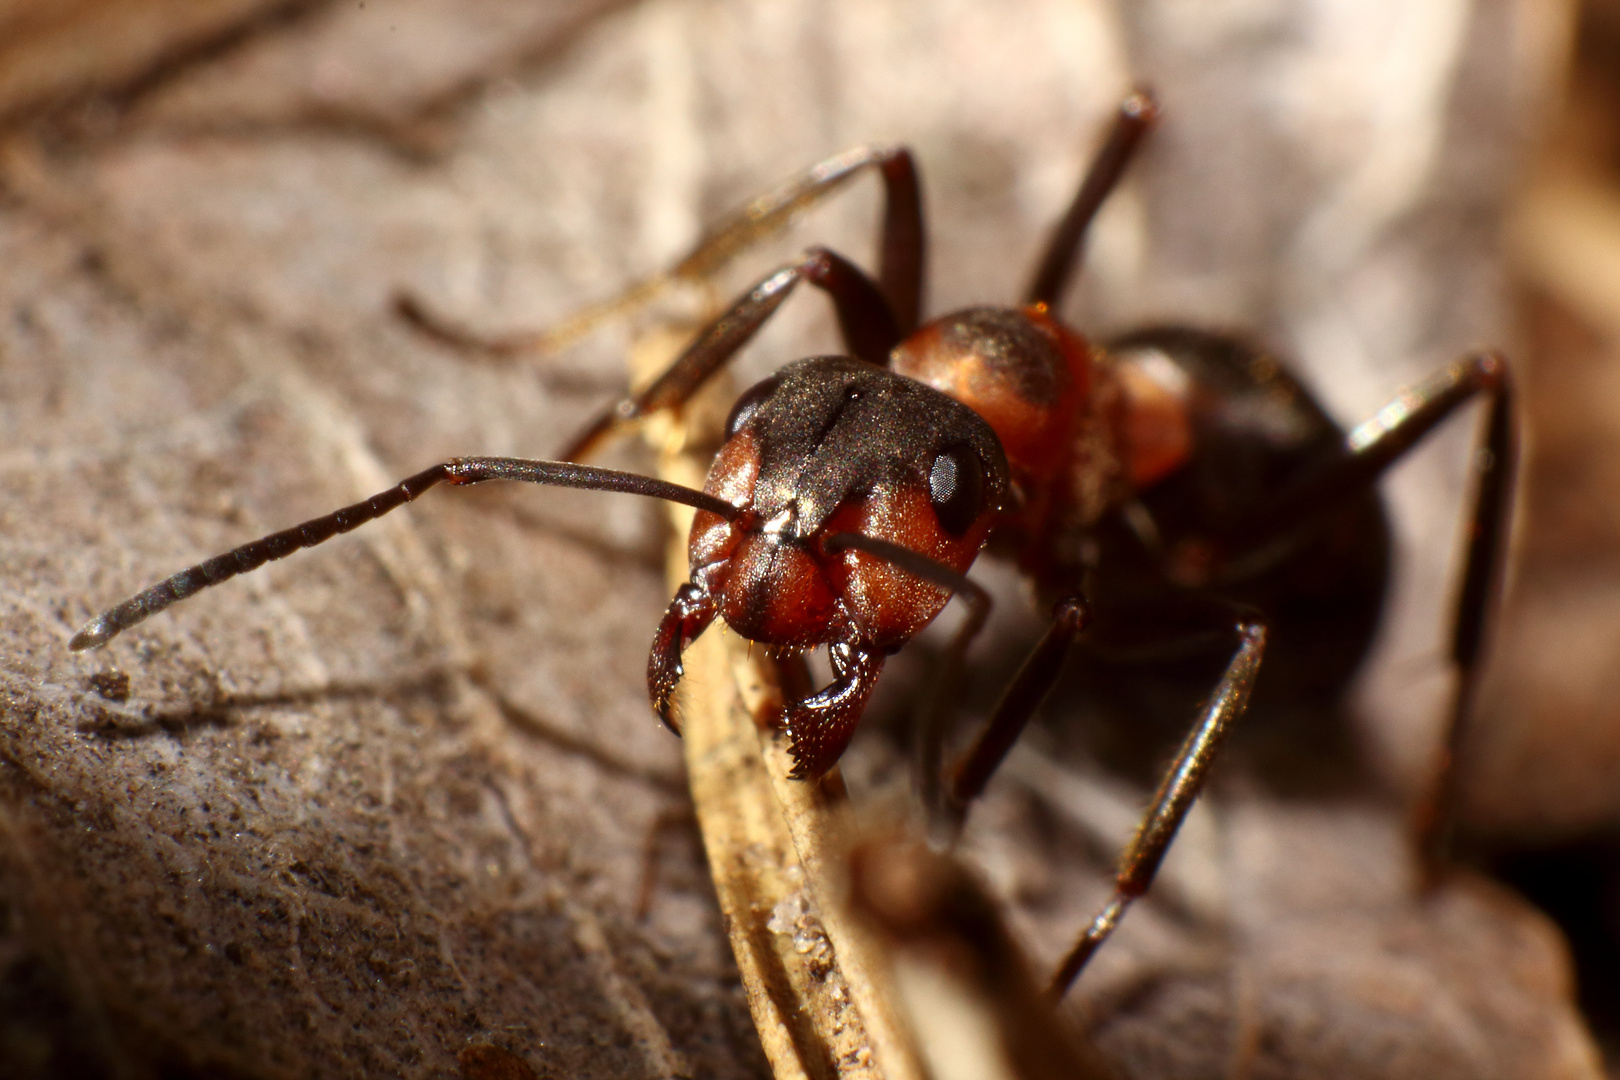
x,y
956,488
749,404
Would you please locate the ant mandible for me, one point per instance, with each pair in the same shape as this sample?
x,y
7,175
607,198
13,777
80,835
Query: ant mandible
x,y
1176,483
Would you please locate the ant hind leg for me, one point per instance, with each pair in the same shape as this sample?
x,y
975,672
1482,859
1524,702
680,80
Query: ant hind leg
x,y
864,317
1483,569
900,254
1374,447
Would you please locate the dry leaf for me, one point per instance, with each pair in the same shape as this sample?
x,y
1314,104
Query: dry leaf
x,y
387,801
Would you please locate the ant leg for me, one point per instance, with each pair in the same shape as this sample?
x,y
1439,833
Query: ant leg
x,y
459,471
1012,713
1374,446
900,254
1482,578
1175,796
864,317
901,245
1137,113
1380,442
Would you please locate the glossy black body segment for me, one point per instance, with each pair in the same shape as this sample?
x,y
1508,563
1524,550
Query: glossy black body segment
x,y
1177,564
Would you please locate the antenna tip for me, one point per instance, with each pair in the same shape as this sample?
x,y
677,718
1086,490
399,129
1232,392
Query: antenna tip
x,y
95,634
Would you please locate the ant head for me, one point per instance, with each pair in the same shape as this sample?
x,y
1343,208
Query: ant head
x,y
831,445
1019,368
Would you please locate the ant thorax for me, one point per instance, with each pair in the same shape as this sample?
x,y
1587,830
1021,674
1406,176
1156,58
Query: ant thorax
x,y
1066,418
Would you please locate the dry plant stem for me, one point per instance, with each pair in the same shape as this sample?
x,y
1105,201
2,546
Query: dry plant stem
x,y
815,814
755,868
818,991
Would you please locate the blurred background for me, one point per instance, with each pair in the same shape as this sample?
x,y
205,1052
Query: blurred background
x,y
1558,838
381,806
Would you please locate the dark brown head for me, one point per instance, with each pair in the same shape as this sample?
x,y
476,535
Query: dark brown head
x,y
831,445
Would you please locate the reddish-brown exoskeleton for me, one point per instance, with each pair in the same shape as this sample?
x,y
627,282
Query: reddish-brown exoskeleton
x,y
1176,484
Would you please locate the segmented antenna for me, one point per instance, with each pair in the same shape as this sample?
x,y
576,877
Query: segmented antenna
x,y
460,471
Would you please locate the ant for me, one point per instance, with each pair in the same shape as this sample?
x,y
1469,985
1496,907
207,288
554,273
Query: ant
x,y
1175,485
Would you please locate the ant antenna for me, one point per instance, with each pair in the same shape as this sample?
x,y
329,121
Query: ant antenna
x,y
458,471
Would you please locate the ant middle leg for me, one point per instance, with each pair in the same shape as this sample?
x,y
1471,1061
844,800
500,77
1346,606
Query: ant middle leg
x,y
901,252
1177,791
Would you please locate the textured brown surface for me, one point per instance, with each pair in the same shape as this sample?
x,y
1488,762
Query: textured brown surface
x,y
67,50
392,796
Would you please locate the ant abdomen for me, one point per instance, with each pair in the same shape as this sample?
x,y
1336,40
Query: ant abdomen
x,y
1181,552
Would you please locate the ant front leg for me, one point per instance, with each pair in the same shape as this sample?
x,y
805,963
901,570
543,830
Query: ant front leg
x,y
900,253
